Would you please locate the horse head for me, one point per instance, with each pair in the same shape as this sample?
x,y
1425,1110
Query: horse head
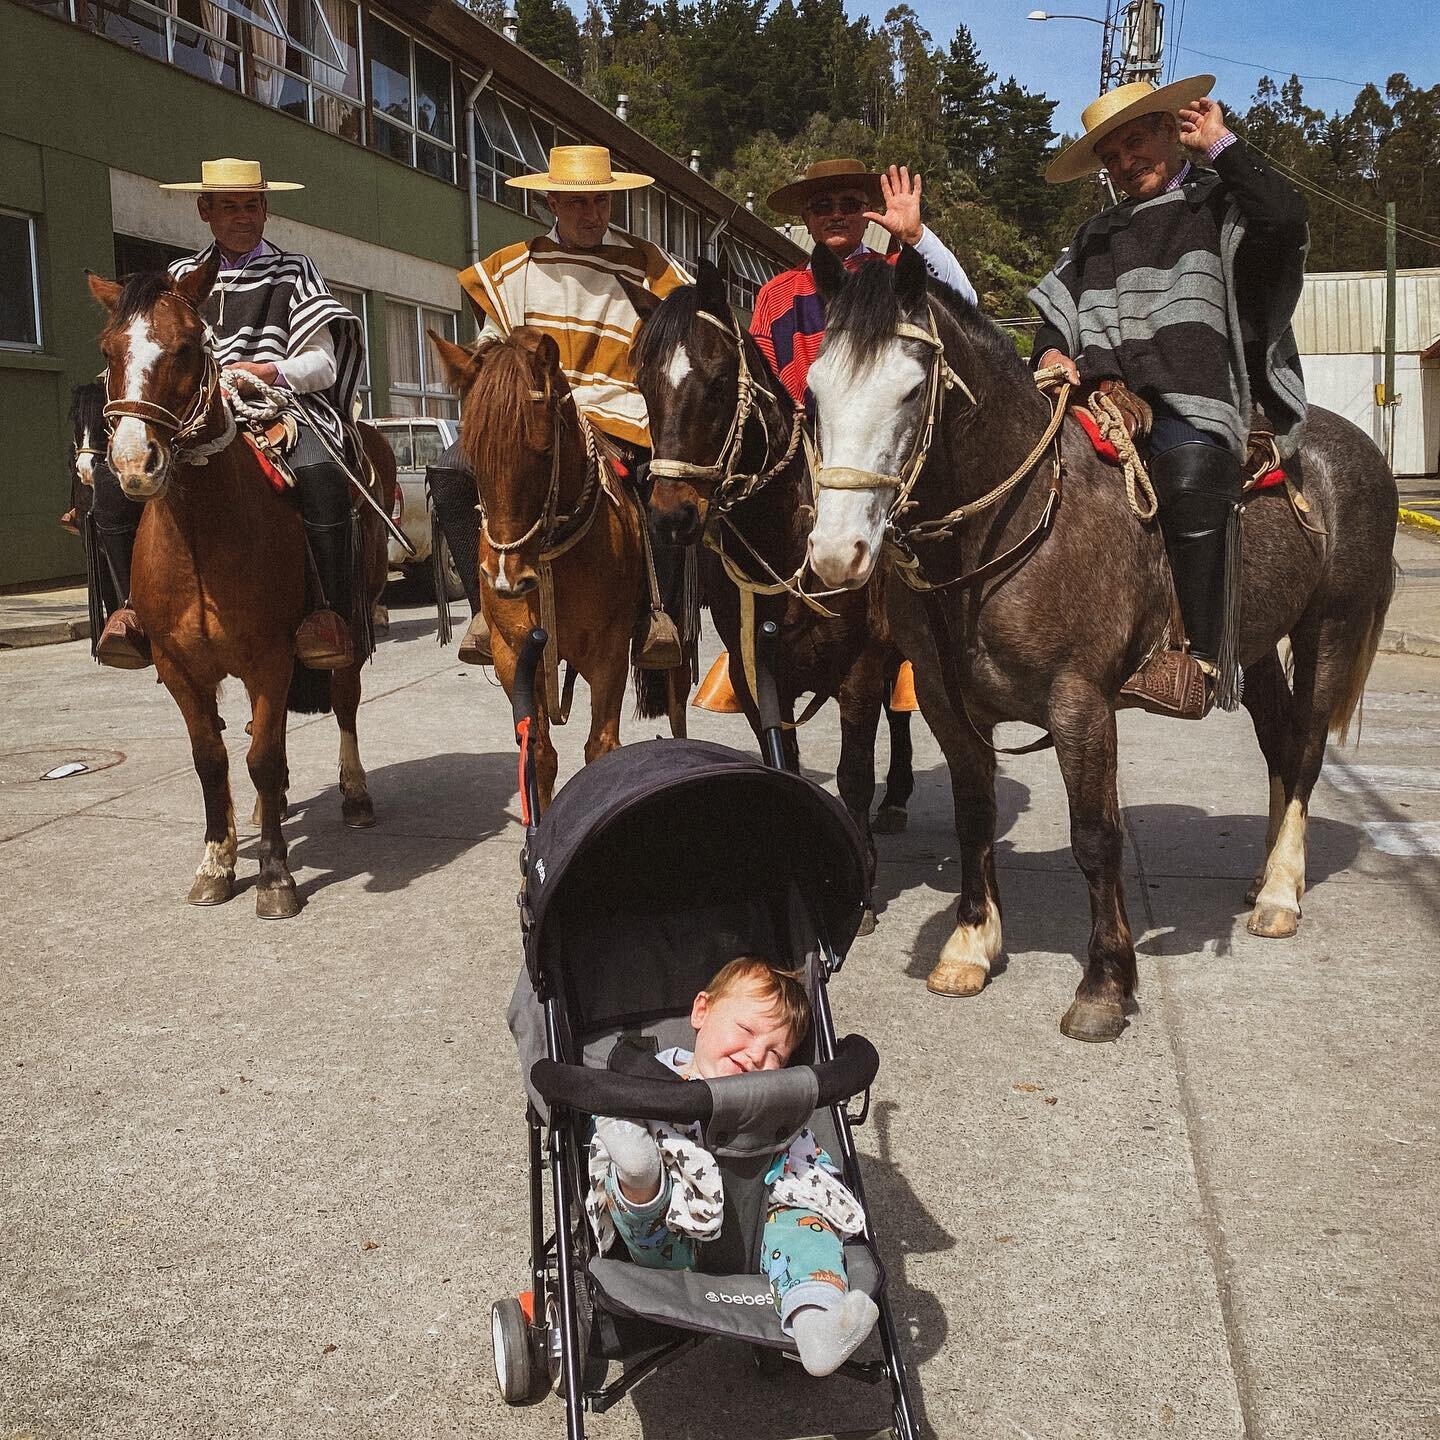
x,y
87,429
872,388
159,371
521,435
688,356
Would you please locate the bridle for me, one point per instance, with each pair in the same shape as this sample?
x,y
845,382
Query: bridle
x,y
731,485
181,428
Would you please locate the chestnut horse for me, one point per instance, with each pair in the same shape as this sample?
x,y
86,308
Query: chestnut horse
x,y
549,502
730,470
218,577
926,415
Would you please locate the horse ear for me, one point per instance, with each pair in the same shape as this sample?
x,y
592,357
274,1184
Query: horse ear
x,y
107,292
198,284
910,278
547,354
711,286
455,360
830,275
646,302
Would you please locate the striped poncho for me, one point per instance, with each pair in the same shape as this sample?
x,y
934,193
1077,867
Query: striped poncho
x,y
267,311
1188,298
576,298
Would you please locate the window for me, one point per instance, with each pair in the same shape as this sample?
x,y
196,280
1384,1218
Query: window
x,y
513,141
354,302
417,386
412,101
748,272
133,255
19,283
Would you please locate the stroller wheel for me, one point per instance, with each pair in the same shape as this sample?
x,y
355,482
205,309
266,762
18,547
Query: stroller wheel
x,y
516,1372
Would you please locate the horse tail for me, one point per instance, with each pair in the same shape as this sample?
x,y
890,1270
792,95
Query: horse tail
x,y
1352,690
652,691
309,691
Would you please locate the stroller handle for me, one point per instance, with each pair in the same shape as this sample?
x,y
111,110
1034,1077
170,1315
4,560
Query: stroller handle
x,y
522,693
632,1097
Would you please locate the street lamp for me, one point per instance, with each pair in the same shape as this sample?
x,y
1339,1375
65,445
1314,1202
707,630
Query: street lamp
x,y
1044,15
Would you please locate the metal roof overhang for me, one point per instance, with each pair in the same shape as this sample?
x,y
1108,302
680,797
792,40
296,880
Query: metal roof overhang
x,y
467,37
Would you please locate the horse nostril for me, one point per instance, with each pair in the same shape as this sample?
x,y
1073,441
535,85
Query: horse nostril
x,y
861,561
152,458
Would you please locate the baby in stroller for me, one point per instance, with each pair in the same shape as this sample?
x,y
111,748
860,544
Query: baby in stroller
x,y
655,1187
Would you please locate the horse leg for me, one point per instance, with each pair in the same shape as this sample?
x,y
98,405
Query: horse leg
x,y
1083,724
275,896
1267,698
859,701
356,807
215,875
542,752
892,817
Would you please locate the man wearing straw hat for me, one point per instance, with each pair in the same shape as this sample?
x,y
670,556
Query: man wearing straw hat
x,y
273,318
567,283
1184,292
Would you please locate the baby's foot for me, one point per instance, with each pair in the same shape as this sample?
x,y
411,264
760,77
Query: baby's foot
x,y
827,1336
635,1156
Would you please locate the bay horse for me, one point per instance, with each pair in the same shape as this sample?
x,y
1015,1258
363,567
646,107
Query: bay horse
x,y
218,576
730,471
552,515
916,388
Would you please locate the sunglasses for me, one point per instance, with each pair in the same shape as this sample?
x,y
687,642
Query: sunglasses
x,y
846,205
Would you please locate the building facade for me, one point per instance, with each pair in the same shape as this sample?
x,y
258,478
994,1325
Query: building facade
x,y
403,121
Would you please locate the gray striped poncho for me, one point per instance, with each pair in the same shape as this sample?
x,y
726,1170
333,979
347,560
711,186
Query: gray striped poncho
x,y
273,307
1149,293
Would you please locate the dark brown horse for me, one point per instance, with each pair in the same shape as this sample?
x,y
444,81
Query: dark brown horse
x,y
218,577
552,514
1050,636
730,472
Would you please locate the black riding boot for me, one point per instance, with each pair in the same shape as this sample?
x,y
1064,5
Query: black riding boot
x,y
114,518
324,640
450,483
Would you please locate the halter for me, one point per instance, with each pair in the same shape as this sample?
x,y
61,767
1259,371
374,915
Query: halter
x,y
732,486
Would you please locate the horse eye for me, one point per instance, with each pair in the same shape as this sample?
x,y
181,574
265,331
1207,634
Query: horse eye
x,y
914,393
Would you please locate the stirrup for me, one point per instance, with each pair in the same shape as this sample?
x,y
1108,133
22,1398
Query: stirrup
x,y
475,644
1172,683
323,642
123,643
662,649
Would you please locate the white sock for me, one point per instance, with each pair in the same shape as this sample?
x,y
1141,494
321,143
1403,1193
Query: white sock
x,y
634,1154
828,1335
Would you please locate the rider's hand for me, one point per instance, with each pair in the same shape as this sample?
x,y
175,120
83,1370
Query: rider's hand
x,y
1202,123
902,205
1059,357
265,372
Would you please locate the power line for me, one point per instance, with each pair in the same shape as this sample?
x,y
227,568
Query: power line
x,y
1269,69
1175,39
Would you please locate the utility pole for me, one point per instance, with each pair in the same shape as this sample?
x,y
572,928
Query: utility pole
x,y
1387,397
1134,40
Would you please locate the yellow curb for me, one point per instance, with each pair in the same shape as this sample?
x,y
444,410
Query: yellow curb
x,y
1419,520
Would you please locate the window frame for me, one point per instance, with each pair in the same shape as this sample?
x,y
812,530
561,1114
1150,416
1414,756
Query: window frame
x,y
363,390
410,128
37,346
432,383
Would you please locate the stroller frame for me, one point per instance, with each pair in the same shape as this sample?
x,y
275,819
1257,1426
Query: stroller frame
x,y
553,1324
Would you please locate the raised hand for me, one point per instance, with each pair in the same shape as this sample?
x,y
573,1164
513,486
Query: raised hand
x,y
902,205
1202,123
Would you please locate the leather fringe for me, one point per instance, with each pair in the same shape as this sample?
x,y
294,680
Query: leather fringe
x,y
362,617
94,600
1230,682
690,611
437,578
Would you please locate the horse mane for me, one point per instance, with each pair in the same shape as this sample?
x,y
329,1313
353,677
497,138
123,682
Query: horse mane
x,y
87,409
667,327
500,401
141,294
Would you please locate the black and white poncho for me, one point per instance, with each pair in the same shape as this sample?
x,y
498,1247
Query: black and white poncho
x,y
273,307
1188,298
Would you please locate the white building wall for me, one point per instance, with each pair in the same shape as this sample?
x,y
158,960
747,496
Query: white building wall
x,y
1346,385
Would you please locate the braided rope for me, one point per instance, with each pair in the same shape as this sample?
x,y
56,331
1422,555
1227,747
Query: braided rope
x,y
1111,423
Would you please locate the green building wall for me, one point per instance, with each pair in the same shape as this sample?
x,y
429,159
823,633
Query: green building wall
x,y
80,105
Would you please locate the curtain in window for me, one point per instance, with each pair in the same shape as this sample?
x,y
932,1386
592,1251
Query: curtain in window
x,y
402,336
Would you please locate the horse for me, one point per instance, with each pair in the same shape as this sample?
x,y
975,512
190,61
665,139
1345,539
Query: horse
x,y
561,543
1044,594
730,475
218,577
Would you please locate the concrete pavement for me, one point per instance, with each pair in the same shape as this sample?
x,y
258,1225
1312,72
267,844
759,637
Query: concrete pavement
x,y
264,1180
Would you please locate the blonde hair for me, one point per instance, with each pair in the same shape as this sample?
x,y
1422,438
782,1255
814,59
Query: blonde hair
x,y
785,989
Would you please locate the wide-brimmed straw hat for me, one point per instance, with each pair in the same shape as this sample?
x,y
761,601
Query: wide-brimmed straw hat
x,y
242,176
1116,108
583,169
824,175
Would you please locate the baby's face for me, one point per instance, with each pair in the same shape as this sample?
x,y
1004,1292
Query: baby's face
x,y
738,1033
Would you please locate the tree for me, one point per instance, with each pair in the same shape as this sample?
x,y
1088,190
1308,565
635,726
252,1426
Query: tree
x,y
548,30
966,104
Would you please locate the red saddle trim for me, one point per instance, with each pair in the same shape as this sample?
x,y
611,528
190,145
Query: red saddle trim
x,y
267,467
1103,448
1270,479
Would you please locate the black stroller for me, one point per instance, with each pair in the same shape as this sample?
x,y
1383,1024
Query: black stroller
x,y
652,868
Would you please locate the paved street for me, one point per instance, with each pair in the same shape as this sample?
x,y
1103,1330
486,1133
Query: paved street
x,y
264,1179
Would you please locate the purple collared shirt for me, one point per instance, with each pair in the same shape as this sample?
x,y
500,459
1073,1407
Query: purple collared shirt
x,y
1211,151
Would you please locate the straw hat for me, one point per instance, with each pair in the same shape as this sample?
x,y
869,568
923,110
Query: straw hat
x,y
582,168
825,175
239,176
1116,108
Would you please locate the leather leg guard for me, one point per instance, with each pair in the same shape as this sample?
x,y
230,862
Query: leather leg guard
x,y
453,497
122,643
324,640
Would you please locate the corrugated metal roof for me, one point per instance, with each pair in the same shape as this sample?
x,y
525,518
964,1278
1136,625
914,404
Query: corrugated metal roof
x,y
1343,313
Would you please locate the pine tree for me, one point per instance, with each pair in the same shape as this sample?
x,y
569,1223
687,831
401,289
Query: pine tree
x,y
548,30
965,104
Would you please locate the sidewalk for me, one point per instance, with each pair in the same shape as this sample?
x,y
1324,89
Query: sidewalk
x,y
47,617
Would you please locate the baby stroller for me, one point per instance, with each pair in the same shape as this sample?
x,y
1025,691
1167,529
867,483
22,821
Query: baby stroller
x,y
652,868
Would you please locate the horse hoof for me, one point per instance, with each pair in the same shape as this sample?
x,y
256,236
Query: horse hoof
x,y
958,979
1274,922
868,922
358,814
1093,1021
277,902
211,889
890,820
